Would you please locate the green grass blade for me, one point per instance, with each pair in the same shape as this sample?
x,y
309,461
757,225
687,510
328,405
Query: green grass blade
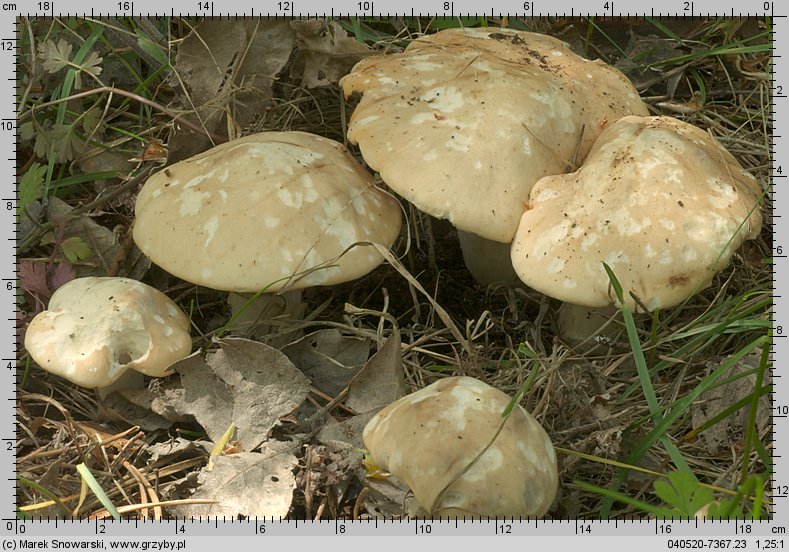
x,y
530,379
64,90
620,497
69,181
663,29
44,491
97,490
728,411
680,409
750,430
644,379
642,369
764,455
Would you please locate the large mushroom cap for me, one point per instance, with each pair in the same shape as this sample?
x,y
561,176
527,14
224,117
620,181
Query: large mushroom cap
x,y
658,200
452,447
465,121
97,328
251,213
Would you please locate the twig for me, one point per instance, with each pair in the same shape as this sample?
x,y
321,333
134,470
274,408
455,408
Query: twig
x,y
137,507
359,503
127,94
123,252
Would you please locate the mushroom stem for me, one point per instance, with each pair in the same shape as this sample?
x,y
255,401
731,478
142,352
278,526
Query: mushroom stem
x,y
131,379
257,319
488,261
586,328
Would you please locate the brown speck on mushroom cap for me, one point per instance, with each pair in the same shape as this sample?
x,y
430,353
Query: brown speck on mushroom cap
x,y
251,213
465,121
431,439
660,201
95,329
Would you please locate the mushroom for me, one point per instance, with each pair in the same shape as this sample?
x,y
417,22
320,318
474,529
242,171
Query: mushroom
x,y
459,455
270,211
95,329
658,200
465,121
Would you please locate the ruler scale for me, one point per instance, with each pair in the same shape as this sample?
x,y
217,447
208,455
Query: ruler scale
x,y
8,237
209,534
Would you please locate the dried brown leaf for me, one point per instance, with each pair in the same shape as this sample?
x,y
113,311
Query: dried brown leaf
x,y
716,400
248,484
348,431
33,278
62,273
380,382
326,52
225,68
329,358
40,280
243,382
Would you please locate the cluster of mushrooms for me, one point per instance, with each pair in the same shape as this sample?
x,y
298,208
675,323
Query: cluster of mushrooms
x,y
546,163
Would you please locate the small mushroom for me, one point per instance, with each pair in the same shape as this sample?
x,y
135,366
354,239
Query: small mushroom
x,y
270,211
95,329
465,121
450,443
658,200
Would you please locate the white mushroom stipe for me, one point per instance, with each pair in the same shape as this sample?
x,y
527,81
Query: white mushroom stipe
x,y
487,260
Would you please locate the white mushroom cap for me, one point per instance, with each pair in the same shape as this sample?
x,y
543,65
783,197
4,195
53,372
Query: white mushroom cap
x,y
249,214
431,438
95,329
465,121
658,200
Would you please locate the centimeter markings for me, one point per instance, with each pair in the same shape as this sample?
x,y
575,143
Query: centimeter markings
x,y
12,525
368,8
779,346
8,236
779,398
255,527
